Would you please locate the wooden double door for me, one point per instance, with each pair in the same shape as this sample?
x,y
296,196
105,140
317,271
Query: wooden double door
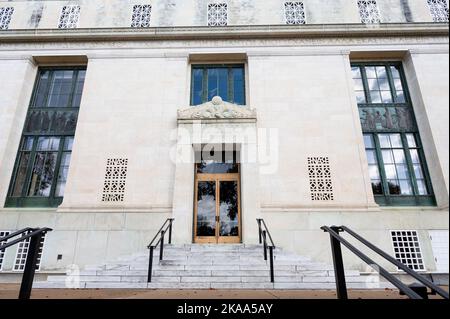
x,y
217,212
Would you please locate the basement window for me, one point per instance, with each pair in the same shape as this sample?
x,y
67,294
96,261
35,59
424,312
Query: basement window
x,y
22,253
3,233
407,249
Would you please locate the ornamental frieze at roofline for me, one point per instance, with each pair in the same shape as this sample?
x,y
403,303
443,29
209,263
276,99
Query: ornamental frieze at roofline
x,y
217,109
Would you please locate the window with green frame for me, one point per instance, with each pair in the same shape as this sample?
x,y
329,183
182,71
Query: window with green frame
x,y
226,81
397,165
43,159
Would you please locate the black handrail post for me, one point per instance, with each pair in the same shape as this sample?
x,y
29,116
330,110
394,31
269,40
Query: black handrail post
x,y
259,230
161,247
150,265
272,274
170,232
30,267
265,245
339,273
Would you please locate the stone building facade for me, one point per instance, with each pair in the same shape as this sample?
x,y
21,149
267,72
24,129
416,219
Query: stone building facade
x,y
334,113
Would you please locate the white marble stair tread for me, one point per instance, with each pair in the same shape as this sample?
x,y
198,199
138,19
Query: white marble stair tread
x,y
234,266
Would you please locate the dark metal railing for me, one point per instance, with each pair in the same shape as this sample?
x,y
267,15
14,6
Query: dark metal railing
x,y
166,227
341,286
263,235
35,235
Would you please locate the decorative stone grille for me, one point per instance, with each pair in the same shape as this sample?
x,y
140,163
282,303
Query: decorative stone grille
x,y
217,14
69,17
368,11
439,10
320,179
115,179
141,16
5,17
295,13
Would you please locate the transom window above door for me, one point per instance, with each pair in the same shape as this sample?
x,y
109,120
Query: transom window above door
x,y
217,162
226,81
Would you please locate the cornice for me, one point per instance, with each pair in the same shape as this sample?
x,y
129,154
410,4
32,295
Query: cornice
x,y
230,32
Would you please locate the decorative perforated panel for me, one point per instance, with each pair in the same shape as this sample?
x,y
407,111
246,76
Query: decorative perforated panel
x,y
5,17
2,252
115,179
141,16
69,17
22,253
295,13
368,11
439,10
407,248
320,179
217,14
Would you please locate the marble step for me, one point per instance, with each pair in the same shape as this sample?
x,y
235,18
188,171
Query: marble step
x,y
208,285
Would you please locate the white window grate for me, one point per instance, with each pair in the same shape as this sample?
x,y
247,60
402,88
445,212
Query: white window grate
x,y
320,183
141,16
3,233
295,13
439,10
368,11
5,17
407,249
217,14
69,17
115,178
22,253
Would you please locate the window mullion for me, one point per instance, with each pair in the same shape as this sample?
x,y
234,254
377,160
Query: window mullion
x,y
381,165
192,85
230,85
205,85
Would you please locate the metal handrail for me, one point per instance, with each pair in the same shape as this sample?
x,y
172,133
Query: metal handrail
x,y
11,235
167,226
263,234
35,236
337,240
403,267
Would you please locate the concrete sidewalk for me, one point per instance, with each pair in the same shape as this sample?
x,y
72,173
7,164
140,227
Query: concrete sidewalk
x,y
11,291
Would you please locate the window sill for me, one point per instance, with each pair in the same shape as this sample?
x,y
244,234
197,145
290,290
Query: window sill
x,y
404,201
30,202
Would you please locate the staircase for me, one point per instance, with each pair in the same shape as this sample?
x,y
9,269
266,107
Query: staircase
x,y
209,267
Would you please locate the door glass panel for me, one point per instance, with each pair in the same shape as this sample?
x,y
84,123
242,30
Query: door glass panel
x,y
206,209
229,216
